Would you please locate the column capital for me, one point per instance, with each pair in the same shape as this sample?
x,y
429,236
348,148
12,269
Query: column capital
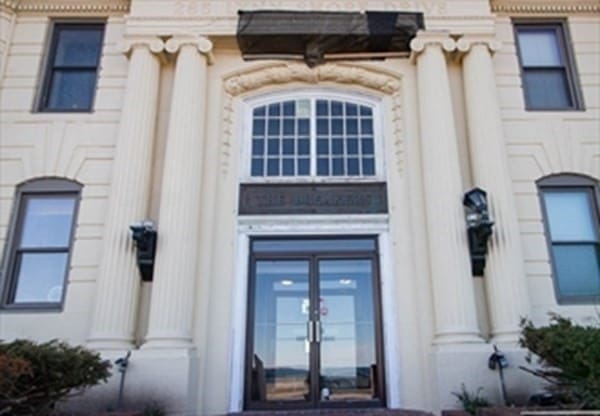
x,y
154,44
203,44
429,38
466,43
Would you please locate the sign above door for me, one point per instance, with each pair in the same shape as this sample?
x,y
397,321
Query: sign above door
x,y
281,199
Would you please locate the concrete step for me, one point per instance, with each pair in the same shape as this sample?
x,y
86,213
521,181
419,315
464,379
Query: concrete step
x,y
334,412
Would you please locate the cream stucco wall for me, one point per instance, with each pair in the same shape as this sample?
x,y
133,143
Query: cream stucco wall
x,y
82,147
544,143
75,146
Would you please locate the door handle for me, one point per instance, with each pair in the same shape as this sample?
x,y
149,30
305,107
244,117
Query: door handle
x,y
317,331
310,331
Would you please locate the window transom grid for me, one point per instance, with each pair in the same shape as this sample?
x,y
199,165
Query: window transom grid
x,y
313,137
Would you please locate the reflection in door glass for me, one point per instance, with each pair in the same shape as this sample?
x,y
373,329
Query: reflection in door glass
x,y
280,357
348,368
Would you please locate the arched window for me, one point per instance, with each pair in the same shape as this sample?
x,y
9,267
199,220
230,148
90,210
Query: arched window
x,y
39,244
572,219
313,135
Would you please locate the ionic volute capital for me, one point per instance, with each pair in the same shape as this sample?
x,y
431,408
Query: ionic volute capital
x,y
467,42
425,39
152,43
201,43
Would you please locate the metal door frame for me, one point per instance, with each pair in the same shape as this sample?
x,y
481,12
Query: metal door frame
x,y
314,356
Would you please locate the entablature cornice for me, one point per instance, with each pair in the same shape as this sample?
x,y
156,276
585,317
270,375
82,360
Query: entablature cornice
x,y
545,7
78,7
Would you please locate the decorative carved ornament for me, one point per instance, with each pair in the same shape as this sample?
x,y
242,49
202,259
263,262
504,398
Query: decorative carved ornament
x,y
545,6
381,82
67,6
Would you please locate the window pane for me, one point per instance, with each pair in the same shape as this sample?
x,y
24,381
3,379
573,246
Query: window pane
x,y
368,166
546,88
288,167
274,127
303,167
40,277
78,47
273,146
322,108
337,146
274,109
351,109
351,126
539,47
337,126
288,126
288,147
336,108
338,166
258,127
273,167
260,111
352,146
353,168
303,127
289,108
322,126
322,166
569,215
303,147
72,90
257,168
48,222
322,146
258,147
577,268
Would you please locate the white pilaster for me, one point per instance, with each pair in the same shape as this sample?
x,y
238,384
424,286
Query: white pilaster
x,y
172,303
455,311
504,271
114,318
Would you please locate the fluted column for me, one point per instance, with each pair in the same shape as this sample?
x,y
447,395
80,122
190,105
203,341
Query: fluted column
x,y
171,307
117,292
504,271
454,298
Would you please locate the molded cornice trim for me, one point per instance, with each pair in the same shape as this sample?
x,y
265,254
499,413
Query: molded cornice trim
x,y
65,6
545,6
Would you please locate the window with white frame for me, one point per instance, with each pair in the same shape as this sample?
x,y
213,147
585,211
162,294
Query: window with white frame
x,y
313,135
572,219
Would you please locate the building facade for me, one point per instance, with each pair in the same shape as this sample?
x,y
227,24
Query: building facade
x,y
311,238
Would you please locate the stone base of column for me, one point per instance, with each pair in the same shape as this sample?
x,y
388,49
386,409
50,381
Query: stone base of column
x,y
454,365
457,337
166,379
508,337
109,343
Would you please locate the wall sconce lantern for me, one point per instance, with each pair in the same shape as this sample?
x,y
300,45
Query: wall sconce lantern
x,y
144,235
479,228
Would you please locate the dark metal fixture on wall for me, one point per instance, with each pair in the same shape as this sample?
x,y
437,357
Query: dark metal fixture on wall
x,y
316,36
144,235
479,228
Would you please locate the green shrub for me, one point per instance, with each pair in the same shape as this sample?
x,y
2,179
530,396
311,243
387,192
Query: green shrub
x,y
470,401
569,356
35,376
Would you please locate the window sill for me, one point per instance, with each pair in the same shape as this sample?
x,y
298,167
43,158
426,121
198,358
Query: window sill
x,y
32,308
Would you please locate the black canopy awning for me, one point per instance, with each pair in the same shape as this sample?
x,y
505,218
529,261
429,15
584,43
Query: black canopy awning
x,y
316,36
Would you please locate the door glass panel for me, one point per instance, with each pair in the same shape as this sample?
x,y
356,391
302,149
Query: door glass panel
x,y
280,354
314,245
348,369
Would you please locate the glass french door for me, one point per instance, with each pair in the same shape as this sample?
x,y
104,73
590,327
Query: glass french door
x,y
314,331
